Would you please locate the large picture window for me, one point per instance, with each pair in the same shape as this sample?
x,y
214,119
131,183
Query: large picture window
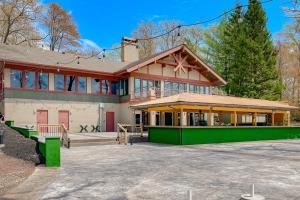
x,y
95,86
144,88
167,88
16,78
59,82
70,83
115,87
30,79
172,88
124,87
137,87
199,89
105,87
43,81
82,84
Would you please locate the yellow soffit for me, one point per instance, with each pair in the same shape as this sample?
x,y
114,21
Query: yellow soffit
x,y
172,108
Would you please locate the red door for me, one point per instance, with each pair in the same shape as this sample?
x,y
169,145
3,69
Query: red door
x,y
63,118
42,116
110,121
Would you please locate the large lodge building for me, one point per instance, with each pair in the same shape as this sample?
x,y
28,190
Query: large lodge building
x,y
44,87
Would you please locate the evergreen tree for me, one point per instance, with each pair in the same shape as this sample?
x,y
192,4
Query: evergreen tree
x,y
262,80
241,49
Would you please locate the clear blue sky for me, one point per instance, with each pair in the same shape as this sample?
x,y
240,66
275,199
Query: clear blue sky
x,y
105,22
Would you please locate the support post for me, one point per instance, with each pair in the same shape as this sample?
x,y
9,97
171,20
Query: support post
x,y
254,122
288,118
181,117
210,117
219,118
273,118
235,118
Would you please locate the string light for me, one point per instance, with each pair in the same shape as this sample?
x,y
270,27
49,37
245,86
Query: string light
x,y
178,34
103,53
167,32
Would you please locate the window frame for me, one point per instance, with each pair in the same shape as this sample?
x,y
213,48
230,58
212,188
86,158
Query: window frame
x,y
37,81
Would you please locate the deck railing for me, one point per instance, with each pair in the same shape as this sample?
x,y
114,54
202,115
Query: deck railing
x,y
124,134
54,130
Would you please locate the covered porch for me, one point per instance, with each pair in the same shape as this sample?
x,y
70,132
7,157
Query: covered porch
x,y
186,118
188,109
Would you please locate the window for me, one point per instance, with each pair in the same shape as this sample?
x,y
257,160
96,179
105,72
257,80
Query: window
x,y
30,79
82,84
95,86
144,88
175,88
105,87
43,81
191,88
167,88
115,87
202,90
182,87
59,82
71,87
126,87
246,119
207,90
137,87
16,78
157,88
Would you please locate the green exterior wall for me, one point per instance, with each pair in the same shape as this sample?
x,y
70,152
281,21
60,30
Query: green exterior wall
x,y
57,96
188,136
165,135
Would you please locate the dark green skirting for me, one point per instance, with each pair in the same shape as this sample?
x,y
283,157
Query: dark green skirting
x,y
208,135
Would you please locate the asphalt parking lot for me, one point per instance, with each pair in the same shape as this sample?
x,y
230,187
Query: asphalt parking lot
x,y
150,171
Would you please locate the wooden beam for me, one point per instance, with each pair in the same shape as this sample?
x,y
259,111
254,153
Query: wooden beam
x,y
254,122
288,118
235,118
273,118
181,117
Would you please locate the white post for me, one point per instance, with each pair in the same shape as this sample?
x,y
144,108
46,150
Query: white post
x,y
190,195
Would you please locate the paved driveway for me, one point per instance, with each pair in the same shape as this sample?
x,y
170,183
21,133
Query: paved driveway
x,y
148,171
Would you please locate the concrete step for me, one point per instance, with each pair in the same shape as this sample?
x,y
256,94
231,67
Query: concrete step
x,y
92,140
90,143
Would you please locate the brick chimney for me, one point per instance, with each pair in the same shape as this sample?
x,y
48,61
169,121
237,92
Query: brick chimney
x,y
129,50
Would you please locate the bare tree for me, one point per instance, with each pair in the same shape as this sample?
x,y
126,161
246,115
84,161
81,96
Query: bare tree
x,y
171,36
61,28
146,30
17,19
288,60
171,39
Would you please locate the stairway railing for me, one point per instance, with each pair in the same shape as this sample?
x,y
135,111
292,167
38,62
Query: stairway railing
x,y
123,133
55,130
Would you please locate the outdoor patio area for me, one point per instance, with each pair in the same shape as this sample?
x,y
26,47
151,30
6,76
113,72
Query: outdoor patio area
x,y
149,171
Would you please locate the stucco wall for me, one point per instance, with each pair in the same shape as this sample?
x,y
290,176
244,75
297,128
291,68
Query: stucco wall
x,y
155,69
126,114
24,111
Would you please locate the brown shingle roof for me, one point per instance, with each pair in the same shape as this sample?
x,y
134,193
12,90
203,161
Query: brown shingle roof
x,y
214,100
50,58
